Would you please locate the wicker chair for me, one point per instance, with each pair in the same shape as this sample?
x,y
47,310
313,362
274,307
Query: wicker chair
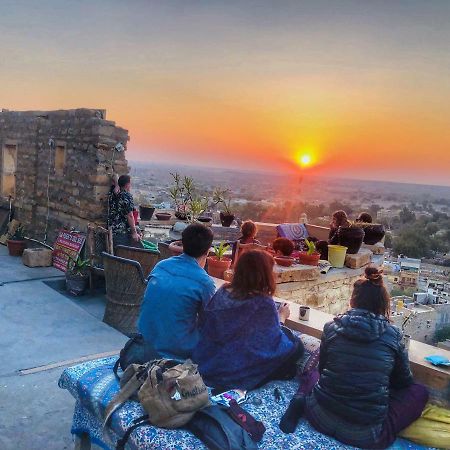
x,y
98,240
164,251
125,286
146,258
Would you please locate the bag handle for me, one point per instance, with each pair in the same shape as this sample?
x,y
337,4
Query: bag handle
x,y
135,382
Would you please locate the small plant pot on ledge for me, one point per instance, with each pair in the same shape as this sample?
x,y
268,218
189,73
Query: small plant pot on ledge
x,y
76,284
16,247
226,219
146,212
309,260
352,238
373,234
217,267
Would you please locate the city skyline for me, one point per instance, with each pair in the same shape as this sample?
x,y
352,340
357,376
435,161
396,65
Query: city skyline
x,y
361,88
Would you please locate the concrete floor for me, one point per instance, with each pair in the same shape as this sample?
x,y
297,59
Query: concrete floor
x,y
40,325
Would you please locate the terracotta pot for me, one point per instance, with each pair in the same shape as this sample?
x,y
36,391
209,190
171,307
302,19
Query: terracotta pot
x,y
352,238
285,261
226,219
76,284
163,216
146,212
16,248
217,267
373,234
309,260
176,248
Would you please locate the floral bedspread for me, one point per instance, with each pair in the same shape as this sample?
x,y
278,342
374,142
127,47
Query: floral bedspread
x,y
93,385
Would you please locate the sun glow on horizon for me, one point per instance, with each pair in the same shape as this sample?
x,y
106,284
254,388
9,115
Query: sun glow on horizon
x,y
305,159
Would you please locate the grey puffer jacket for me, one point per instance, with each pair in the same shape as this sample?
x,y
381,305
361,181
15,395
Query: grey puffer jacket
x,y
362,356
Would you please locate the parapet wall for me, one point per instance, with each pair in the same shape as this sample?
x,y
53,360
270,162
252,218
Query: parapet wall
x,y
57,167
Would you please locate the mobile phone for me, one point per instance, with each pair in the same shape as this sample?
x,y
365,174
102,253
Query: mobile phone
x,y
278,305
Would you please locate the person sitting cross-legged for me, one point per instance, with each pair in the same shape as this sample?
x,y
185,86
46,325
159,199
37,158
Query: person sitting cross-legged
x,y
363,393
242,344
177,289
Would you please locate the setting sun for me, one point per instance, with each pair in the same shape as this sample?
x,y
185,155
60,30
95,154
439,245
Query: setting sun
x,y
305,159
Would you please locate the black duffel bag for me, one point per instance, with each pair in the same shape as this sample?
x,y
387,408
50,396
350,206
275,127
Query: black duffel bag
x,y
135,351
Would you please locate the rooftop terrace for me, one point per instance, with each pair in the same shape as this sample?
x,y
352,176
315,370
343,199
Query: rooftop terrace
x,y
43,330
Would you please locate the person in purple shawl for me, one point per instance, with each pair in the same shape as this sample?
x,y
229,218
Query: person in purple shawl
x,y
242,343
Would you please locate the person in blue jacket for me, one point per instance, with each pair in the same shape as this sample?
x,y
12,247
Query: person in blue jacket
x,y
177,290
242,343
363,393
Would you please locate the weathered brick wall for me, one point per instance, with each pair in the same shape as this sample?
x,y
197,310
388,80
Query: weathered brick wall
x,y
75,194
330,293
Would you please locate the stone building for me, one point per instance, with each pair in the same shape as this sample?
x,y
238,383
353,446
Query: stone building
x,y
56,166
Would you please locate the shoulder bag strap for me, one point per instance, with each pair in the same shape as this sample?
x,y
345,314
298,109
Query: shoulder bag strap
x,y
136,423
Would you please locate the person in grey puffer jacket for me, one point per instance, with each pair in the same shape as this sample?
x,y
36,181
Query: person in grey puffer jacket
x,y
363,393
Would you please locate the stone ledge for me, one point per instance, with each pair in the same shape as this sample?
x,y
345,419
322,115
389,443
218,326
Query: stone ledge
x,y
358,260
295,273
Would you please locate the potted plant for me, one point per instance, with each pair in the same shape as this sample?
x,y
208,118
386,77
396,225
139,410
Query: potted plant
x,y
146,211
351,237
77,275
17,243
373,232
311,256
181,193
219,263
222,196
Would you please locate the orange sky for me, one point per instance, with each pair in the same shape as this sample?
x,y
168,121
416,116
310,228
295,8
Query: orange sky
x,y
362,86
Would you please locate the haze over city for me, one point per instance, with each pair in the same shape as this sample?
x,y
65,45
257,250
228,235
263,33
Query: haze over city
x,y
348,89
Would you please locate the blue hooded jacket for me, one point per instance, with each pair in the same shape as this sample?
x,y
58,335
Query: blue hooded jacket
x,y
241,341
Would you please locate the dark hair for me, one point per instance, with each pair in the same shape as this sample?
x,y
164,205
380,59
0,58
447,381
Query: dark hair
x,y
197,240
284,245
340,217
123,180
370,293
253,275
364,217
248,228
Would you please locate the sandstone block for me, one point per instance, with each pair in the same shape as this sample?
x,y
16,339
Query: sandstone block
x,y
376,249
360,259
37,257
297,272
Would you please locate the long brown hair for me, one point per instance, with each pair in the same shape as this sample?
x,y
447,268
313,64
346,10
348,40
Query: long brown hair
x,y
340,219
248,229
253,275
371,294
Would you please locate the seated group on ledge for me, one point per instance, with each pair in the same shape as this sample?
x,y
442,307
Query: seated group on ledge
x,y
362,392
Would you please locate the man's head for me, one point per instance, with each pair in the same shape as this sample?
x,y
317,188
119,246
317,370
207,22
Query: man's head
x,y
124,182
197,240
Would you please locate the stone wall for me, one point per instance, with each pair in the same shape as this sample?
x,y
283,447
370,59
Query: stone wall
x,y
330,293
62,182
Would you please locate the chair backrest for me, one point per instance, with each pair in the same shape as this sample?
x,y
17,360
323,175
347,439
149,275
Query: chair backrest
x,y
242,248
98,240
164,251
146,258
125,282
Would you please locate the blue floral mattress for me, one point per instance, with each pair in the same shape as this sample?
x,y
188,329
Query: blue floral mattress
x,y
93,385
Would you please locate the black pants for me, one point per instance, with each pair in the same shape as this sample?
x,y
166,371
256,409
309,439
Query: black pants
x,y
125,239
288,369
